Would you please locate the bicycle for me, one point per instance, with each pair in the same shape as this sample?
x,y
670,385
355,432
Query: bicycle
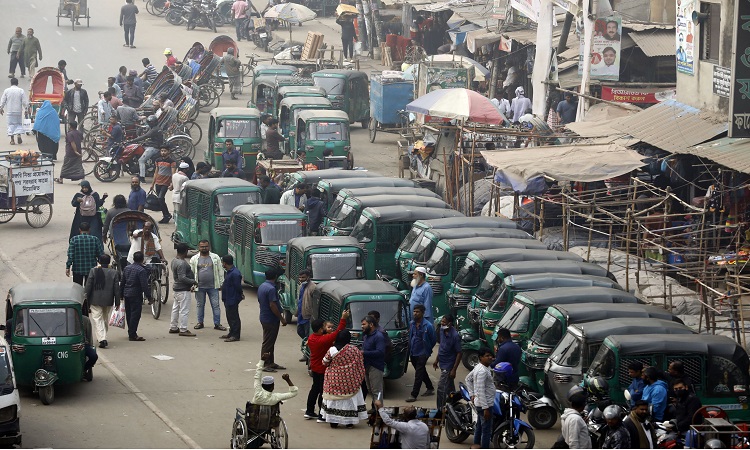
x,y
159,287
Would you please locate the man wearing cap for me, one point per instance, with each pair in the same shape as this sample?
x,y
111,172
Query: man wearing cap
x,y
263,393
519,105
76,102
171,60
421,293
179,179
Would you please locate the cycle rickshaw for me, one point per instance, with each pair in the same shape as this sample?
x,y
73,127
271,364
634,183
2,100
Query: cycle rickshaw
x,y
258,425
75,10
118,243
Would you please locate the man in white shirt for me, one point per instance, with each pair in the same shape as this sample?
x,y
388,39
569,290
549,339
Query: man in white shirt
x,y
608,68
501,103
149,246
481,385
413,432
104,109
179,179
15,103
263,393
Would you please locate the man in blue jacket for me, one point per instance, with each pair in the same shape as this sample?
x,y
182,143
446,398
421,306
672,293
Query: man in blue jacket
x,y
421,341
373,349
635,370
231,294
655,393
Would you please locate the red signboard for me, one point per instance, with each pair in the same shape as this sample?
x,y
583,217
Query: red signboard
x,y
614,94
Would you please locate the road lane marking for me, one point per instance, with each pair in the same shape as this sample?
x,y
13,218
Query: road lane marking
x,y
89,66
58,32
74,49
33,6
45,19
121,377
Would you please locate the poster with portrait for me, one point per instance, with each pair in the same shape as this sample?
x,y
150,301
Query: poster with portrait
x,y
605,49
684,35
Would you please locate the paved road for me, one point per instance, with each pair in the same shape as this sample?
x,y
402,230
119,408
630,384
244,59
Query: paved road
x,y
136,400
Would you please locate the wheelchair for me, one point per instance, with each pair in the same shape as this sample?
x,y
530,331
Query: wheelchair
x,y
258,425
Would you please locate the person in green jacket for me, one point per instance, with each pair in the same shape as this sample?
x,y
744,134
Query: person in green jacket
x,y
32,52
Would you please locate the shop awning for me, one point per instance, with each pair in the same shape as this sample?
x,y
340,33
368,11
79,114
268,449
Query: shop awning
x,y
672,126
598,120
654,42
478,38
524,170
730,152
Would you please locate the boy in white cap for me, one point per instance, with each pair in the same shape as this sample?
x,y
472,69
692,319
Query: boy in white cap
x,y
421,293
179,179
264,385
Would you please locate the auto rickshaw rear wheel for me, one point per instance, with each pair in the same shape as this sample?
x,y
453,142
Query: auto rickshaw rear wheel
x,y
470,359
47,394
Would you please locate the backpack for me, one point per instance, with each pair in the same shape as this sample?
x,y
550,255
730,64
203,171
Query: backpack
x,y
88,206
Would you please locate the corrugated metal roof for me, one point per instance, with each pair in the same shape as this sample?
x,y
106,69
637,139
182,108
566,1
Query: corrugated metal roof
x,y
671,126
654,42
730,152
643,26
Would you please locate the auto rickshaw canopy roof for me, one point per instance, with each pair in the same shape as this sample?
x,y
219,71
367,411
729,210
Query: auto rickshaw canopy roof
x,y
560,296
379,181
344,73
235,111
468,233
311,242
491,255
380,190
399,213
282,80
713,345
46,291
315,176
514,248
591,312
321,114
277,68
304,101
472,222
285,90
546,280
600,329
568,267
258,211
341,289
209,185
388,199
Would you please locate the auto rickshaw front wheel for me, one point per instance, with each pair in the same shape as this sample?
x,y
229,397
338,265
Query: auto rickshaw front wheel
x,y
47,394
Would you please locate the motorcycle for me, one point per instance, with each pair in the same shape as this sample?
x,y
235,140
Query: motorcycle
x,y
204,15
123,159
509,431
667,435
460,415
175,10
260,36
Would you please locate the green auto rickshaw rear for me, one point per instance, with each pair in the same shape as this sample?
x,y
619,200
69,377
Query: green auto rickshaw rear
x,y
348,90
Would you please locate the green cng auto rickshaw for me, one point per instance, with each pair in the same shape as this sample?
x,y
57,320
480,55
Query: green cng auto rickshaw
x,y
298,91
342,223
206,209
242,126
311,178
330,187
45,322
10,401
259,236
717,365
263,70
266,87
572,356
474,270
450,254
319,130
329,258
556,321
361,297
348,90
289,109
381,229
492,291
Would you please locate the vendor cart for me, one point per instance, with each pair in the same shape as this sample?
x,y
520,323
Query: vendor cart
x,y
388,100
26,186
75,10
276,168
384,436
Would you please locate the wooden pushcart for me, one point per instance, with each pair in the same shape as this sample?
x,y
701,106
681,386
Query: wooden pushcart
x,y
27,186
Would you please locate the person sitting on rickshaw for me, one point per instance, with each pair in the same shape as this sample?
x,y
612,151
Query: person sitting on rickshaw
x,y
147,242
73,7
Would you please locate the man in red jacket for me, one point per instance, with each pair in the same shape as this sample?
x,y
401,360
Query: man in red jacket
x,y
319,342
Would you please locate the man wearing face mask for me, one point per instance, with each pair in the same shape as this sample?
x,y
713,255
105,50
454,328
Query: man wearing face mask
x,y
642,434
421,293
686,404
655,392
448,358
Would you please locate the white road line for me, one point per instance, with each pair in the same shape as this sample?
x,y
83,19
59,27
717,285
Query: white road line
x,y
89,66
58,32
121,377
45,19
33,6
74,49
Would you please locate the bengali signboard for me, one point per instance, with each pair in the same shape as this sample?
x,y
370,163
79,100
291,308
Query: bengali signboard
x,y
739,99
684,35
529,8
721,81
32,180
614,94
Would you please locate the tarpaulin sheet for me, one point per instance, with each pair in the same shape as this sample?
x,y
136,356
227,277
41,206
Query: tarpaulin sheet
x,y
525,169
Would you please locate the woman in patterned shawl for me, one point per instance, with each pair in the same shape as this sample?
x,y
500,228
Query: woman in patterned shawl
x,y
343,402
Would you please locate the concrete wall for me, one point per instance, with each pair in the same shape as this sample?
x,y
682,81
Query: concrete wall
x,y
700,82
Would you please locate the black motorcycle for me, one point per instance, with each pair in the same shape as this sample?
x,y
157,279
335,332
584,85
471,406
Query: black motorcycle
x,y
261,36
460,415
203,15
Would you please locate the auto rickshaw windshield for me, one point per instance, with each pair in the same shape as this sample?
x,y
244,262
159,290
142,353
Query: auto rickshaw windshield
x,y
238,128
439,263
516,319
328,131
277,232
549,331
332,86
392,313
569,354
6,376
423,249
46,322
334,266
603,364
226,202
468,276
411,238
364,230
488,287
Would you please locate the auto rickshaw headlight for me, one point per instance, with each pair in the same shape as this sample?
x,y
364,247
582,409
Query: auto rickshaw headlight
x,y
8,413
18,348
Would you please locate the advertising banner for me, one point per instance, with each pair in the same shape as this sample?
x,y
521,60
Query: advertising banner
x,y
684,33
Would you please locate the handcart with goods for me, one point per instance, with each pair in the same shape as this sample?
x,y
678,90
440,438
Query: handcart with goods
x,y
27,187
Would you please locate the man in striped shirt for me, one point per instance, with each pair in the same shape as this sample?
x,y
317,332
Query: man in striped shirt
x,y
149,73
481,386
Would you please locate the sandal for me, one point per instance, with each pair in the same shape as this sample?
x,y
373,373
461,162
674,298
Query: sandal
x,y
198,326
58,180
12,142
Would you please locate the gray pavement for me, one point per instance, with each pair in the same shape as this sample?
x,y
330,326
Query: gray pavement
x,y
135,400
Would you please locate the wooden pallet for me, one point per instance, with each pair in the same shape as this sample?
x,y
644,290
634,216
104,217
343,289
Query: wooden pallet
x,y
312,44
385,54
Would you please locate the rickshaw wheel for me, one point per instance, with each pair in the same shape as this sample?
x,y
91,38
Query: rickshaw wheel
x,y
39,212
239,433
350,160
279,436
365,123
156,297
373,127
164,290
47,394
6,215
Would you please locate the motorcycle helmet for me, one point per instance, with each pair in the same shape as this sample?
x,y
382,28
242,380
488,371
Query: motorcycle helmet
x,y
576,390
597,386
505,369
612,412
714,443
152,120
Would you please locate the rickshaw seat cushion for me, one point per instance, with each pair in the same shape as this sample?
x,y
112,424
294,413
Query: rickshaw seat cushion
x,y
262,417
53,98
